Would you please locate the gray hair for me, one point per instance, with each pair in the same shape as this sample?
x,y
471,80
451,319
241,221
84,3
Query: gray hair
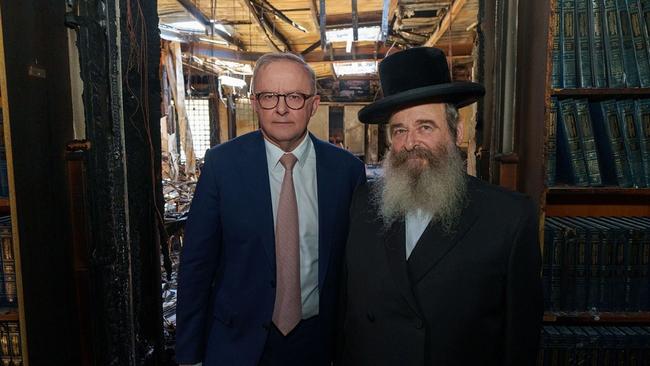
x,y
451,112
269,58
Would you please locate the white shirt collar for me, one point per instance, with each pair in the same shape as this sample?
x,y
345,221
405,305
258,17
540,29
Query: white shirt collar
x,y
274,153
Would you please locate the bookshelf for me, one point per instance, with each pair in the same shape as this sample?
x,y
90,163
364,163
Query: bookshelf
x,y
618,214
594,226
8,206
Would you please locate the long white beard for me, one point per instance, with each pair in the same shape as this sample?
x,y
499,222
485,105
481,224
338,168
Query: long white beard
x,y
438,188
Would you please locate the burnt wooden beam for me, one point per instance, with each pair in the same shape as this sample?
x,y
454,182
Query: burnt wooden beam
x,y
281,15
314,15
227,54
203,19
363,53
445,23
323,24
314,46
262,23
355,21
364,19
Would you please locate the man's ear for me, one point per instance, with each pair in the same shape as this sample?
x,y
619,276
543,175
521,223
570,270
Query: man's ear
x,y
314,104
253,103
460,131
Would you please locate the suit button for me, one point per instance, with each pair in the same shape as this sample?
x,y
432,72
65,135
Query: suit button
x,y
371,317
266,326
272,283
419,324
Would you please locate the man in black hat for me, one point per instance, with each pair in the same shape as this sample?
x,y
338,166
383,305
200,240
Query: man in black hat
x,y
441,268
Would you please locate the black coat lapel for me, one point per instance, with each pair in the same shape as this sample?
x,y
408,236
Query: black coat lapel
x,y
434,244
396,256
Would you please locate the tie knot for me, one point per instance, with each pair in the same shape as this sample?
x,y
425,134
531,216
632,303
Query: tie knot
x,y
288,160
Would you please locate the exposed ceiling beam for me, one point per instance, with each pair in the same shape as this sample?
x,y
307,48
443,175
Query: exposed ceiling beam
x,y
346,20
456,49
363,53
314,15
261,24
392,8
204,50
197,14
281,15
322,23
314,46
355,21
453,12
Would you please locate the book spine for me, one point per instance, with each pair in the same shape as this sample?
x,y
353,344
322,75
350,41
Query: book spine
x,y
551,144
556,73
643,127
606,269
615,134
613,45
635,270
584,45
588,141
644,264
570,139
644,8
597,43
629,56
569,44
581,271
631,141
547,262
594,269
639,40
621,288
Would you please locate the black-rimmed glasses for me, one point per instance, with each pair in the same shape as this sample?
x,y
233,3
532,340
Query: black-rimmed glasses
x,y
268,100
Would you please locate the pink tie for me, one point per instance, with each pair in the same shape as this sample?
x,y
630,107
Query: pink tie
x,y
287,310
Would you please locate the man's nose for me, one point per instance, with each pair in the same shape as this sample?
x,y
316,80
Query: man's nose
x,y
411,141
281,108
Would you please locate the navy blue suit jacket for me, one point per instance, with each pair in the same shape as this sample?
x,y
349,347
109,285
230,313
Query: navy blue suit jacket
x,y
226,285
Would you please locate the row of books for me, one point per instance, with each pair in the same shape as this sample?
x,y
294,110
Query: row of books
x,y
598,345
10,348
8,289
604,143
601,43
596,264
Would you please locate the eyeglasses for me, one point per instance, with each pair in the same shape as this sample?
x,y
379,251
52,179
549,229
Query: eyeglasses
x,y
294,100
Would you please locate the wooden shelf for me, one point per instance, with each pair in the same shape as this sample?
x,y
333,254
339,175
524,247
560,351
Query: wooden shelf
x,y
579,191
5,209
597,201
8,314
604,93
596,318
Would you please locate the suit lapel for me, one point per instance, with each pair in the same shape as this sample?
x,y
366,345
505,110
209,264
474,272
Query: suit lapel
x,y
396,256
255,175
434,244
326,173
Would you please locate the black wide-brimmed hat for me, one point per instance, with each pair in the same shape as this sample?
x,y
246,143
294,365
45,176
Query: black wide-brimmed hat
x,y
416,76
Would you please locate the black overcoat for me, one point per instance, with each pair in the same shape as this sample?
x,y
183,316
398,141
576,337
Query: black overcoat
x,y
473,297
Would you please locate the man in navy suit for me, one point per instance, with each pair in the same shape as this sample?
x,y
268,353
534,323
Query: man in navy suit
x,y
259,270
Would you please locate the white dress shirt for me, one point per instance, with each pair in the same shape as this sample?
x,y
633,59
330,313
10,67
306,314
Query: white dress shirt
x,y
416,222
305,184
